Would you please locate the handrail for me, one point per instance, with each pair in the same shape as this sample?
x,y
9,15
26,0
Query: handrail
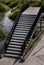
x,y
32,28
24,7
35,22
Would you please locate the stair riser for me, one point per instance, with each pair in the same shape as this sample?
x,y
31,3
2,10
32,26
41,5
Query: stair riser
x,y
13,53
14,47
11,57
14,50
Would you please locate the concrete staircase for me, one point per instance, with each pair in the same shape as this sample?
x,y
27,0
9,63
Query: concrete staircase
x,y
14,49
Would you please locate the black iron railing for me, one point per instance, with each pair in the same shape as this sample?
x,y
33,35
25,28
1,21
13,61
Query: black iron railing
x,y
23,8
32,28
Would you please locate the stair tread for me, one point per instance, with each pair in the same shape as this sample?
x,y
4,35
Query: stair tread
x,y
20,31
14,49
25,15
14,45
18,38
12,56
29,17
10,51
24,26
24,33
24,23
27,21
27,29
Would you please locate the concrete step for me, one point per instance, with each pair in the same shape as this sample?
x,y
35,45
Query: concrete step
x,y
13,40
15,43
27,21
14,49
13,52
23,19
30,16
25,29
24,23
19,38
24,26
12,56
14,46
20,33
22,36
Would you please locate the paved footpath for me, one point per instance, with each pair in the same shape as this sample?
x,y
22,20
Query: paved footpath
x,y
6,61
37,55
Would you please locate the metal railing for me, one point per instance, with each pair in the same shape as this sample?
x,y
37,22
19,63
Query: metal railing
x,y
31,30
24,7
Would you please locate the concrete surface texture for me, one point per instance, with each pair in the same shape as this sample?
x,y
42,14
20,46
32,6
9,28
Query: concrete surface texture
x,y
37,55
31,10
6,61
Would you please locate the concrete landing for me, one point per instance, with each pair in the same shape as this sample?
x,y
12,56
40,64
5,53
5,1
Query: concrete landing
x,y
32,11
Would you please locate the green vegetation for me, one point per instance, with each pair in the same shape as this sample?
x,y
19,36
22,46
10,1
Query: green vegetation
x,y
3,7
17,4
33,41
13,4
42,4
13,14
36,3
2,34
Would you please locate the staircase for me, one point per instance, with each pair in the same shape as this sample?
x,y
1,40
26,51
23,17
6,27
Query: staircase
x,y
14,49
22,32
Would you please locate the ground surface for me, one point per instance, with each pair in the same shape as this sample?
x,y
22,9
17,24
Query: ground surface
x,y
37,55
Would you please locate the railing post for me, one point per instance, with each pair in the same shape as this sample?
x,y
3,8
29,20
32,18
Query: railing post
x,y
40,24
